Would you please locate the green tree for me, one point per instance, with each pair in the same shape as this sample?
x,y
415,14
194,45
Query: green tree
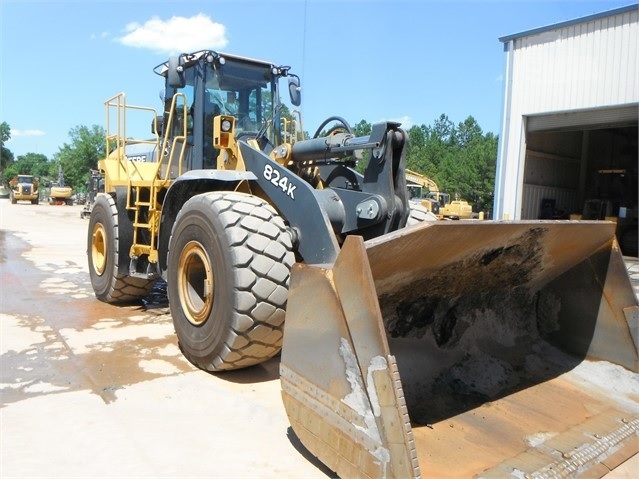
x,y
34,164
363,128
6,155
81,155
461,159
467,132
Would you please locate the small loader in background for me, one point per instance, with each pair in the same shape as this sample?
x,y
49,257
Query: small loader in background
x,y
444,348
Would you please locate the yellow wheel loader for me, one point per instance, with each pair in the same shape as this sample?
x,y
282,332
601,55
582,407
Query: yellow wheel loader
x,y
440,349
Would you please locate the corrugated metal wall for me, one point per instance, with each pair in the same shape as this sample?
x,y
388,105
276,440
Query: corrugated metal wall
x,y
565,200
576,66
589,64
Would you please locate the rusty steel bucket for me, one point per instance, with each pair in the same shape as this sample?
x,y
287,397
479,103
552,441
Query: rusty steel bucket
x,y
466,349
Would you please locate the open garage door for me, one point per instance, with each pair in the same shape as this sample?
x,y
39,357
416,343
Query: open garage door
x,y
583,164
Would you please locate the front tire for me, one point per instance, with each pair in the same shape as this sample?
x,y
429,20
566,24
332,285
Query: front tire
x,y
229,263
103,251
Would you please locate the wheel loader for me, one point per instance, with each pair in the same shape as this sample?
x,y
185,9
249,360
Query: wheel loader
x,y
439,349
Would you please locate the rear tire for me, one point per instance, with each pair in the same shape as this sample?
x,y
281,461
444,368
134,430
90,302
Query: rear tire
x,y
103,250
229,264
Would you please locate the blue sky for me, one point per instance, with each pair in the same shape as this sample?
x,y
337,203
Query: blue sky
x,y
404,60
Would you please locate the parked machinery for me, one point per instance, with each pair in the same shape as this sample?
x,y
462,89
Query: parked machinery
x,y
614,197
95,185
435,201
60,193
24,188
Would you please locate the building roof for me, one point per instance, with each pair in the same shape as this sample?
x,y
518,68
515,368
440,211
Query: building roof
x,y
568,23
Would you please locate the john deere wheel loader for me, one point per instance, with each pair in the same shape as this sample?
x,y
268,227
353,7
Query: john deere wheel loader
x,y
448,349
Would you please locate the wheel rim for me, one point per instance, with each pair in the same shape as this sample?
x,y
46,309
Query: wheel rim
x,y
98,249
195,283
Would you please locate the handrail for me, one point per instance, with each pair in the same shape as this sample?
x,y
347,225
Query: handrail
x,y
167,133
300,131
117,142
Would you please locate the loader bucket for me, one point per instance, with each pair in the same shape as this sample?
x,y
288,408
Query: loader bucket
x,y
466,349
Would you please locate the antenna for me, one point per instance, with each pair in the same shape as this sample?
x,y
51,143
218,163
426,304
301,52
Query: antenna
x,y
304,41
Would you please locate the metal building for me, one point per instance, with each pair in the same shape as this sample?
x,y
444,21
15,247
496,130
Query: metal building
x,y
568,144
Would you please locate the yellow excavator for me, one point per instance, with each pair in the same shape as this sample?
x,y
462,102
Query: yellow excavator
x,y
435,201
437,349
60,194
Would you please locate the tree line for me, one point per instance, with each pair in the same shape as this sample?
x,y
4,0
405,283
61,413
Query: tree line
x,y
75,159
460,158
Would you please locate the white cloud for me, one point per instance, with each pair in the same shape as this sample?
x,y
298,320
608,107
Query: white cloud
x,y
16,133
406,121
176,35
102,35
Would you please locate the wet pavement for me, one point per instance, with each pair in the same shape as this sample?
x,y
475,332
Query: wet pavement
x,y
89,389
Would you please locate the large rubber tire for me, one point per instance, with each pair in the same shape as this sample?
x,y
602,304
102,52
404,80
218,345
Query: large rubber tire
x,y
103,251
228,269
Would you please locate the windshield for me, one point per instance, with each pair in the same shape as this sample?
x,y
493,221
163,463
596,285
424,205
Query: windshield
x,y
243,90
202,85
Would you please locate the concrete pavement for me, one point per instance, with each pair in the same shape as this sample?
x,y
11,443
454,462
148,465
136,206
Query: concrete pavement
x,y
94,390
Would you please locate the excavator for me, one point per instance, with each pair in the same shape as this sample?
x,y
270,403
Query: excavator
x,y
433,200
60,193
431,349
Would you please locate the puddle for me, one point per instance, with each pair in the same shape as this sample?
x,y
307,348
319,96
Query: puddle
x,y
57,337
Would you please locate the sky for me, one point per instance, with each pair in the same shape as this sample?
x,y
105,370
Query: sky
x,y
375,60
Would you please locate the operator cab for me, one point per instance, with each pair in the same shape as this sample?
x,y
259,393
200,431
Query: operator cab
x,y
202,85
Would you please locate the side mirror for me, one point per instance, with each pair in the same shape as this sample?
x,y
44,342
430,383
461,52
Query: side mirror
x,y
294,90
175,74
